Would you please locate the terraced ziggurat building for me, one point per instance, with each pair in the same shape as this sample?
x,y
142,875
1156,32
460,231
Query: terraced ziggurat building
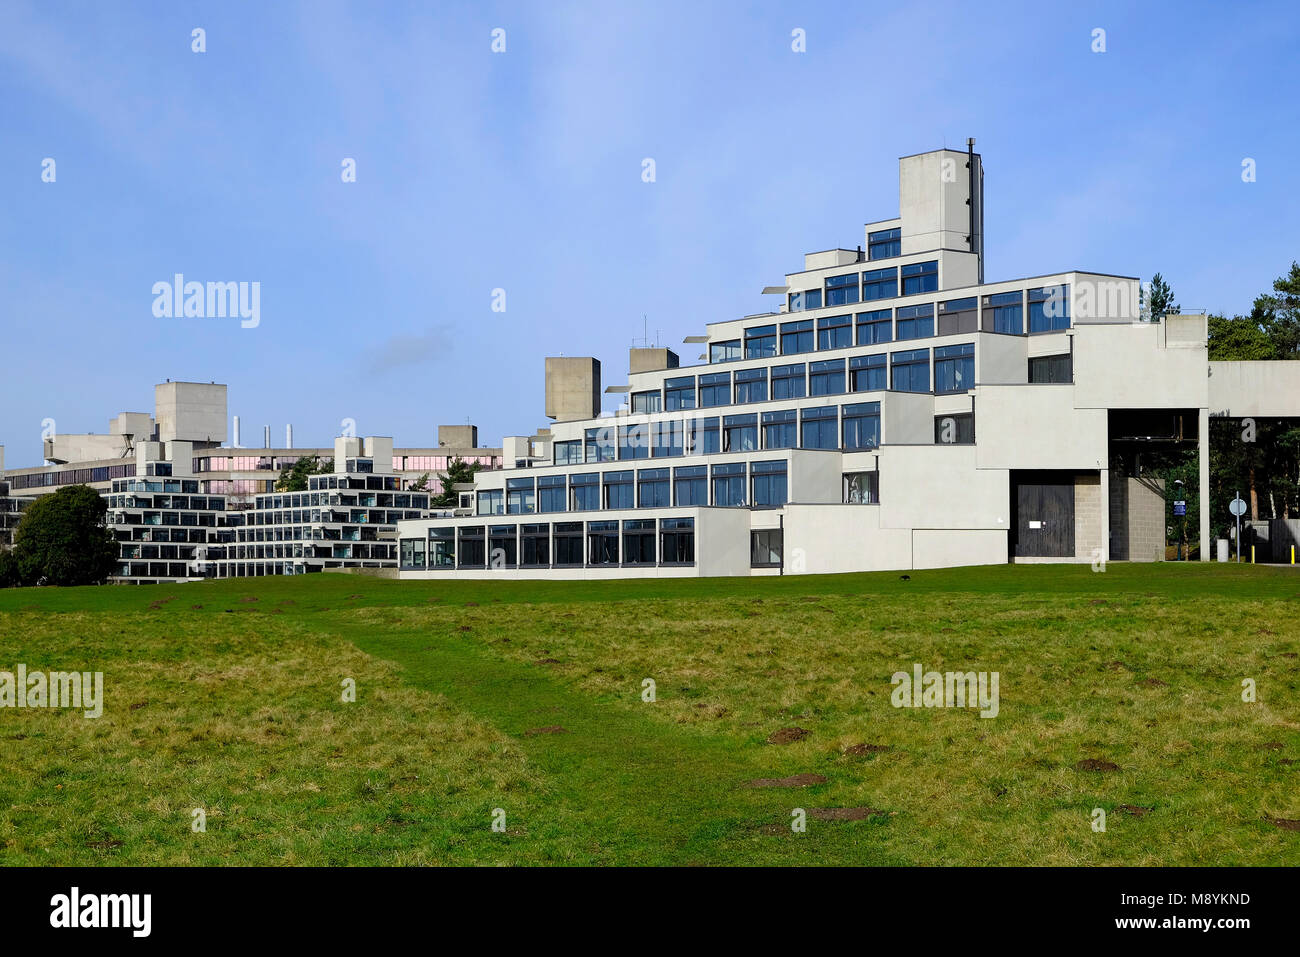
x,y
896,411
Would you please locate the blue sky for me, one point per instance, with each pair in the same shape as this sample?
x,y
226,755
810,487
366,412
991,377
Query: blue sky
x,y
522,171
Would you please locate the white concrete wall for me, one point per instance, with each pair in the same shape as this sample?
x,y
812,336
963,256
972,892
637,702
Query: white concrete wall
x,y
1037,427
1270,388
944,548
194,411
1121,366
939,486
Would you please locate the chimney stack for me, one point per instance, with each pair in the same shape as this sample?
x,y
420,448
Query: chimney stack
x,y
288,436
266,436
235,444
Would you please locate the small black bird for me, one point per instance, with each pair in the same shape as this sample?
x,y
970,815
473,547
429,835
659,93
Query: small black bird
x,y
906,578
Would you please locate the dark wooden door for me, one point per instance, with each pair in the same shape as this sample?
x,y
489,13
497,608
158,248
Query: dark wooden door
x,y
1045,520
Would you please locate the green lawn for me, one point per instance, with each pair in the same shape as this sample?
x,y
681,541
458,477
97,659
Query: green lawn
x,y
527,697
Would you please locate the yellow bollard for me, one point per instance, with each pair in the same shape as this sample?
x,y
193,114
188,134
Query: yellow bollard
x,y
1292,554
1252,554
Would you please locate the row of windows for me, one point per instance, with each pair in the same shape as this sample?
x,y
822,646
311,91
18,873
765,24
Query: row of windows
x,y
760,484
815,428
954,371
641,541
71,476
849,288
1047,308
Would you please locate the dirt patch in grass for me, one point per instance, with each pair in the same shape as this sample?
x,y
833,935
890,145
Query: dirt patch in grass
x,y
842,813
788,735
1093,764
794,781
1271,746
1153,683
548,729
860,749
547,661
1284,824
1133,810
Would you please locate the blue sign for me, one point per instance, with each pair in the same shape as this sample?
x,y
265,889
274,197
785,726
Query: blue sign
x,y
1180,508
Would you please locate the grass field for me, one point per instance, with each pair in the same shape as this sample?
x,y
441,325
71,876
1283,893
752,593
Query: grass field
x,y
527,697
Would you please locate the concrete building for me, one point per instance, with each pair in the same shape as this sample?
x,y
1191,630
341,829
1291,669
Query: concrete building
x,y
187,504
895,411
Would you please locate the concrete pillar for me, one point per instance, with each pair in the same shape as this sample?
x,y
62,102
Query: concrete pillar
x,y
1104,472
1203,452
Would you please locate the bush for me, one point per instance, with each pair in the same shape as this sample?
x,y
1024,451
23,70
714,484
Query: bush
x,y
62,539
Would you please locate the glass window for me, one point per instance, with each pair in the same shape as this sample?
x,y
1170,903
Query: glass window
x,y
568,543
519,496
826,377
954,368
1049,308
770,487
760,342
955,428
668,438
780,429
584,492
862,488
724,351
911,371
1051,369
705,436
957,316
788,382
884,243
807,299
502,546
862,425
679,393
835,332
842,290
867,373
618,490
602,543
820,428
442,547
915,322
876,326
729,485
920,277
491,502
652,488
535,545
568,453
689,485
677,541
797,337
644,403
600,444
412,553
473,553
1004,312
751,386
715,389
639,541
550,493
634,441
880,284
740,433
765,547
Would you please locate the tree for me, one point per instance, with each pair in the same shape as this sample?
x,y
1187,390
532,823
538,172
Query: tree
x,y
458,472
1160,299
421,484
8,569
294,478
1238,338
62,539
1278,314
